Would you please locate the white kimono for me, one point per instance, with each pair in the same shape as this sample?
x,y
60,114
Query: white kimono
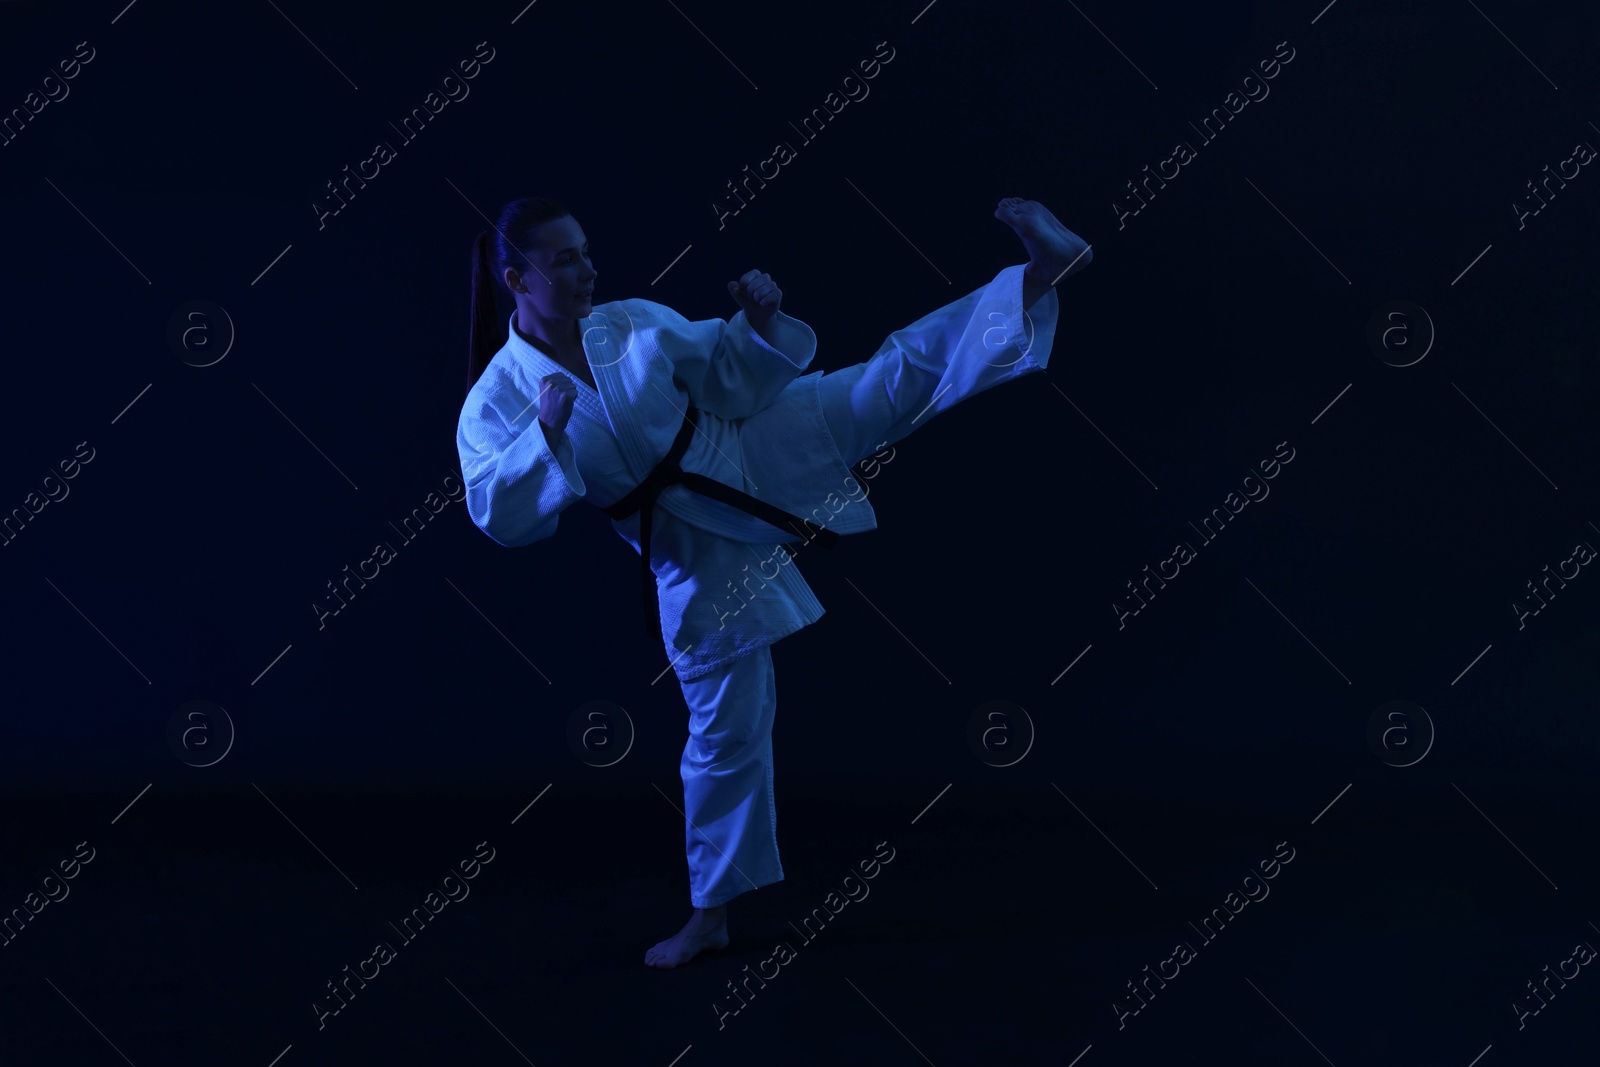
x,y
762,431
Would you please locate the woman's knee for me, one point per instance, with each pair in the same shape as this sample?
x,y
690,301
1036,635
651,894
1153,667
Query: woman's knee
x,y
744,709
733,737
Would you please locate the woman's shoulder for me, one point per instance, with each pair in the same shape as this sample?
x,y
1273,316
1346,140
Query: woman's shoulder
x,y
502,383
640,312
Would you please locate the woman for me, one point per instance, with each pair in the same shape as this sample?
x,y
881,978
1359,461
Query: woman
x,y
710,451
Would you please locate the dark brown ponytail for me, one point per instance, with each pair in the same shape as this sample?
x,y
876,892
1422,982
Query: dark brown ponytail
x,y
492,252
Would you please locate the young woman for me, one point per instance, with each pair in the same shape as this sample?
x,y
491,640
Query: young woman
x,y
711,452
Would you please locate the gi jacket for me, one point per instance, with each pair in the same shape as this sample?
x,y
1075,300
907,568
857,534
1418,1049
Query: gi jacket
x,y
762,431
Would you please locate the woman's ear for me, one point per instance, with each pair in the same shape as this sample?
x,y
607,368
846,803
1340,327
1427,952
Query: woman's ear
x,y
514,280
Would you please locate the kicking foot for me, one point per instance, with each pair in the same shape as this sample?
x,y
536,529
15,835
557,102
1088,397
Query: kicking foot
x,y
1054,251
706,929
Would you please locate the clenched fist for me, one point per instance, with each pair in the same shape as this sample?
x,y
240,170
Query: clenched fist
x,y
759,295
556,394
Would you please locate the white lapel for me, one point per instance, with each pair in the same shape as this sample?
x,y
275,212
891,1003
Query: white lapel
x,y
621,372
588,401
623,375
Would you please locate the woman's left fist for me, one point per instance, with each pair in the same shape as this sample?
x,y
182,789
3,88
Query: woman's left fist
x,y
758,294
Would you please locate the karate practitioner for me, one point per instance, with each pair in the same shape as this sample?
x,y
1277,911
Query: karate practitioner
x,y
609,403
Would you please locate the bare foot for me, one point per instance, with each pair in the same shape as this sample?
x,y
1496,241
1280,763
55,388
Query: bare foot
x,y
1053,250
706,929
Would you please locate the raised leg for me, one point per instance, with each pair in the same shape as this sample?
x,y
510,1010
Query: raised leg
x,y
991,335
962,349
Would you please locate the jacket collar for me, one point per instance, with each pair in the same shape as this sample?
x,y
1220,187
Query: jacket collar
x,y
538,365
609,347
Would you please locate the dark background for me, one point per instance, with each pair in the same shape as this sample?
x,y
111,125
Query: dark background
x,y
1176,753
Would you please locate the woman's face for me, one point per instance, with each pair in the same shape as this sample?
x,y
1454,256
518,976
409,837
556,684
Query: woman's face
x,y
562,286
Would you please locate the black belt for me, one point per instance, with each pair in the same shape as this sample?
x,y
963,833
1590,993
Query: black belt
x,y
668,472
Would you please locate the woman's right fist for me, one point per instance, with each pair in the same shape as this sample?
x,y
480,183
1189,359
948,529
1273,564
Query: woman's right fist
x,y
556,394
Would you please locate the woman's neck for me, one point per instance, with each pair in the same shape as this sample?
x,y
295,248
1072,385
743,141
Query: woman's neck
x,y
541,336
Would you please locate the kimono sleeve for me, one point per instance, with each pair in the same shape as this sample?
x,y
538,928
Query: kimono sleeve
x,y
729,369
516,486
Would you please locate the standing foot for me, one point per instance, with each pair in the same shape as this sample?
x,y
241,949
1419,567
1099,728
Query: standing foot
x,y
1053,250
706,929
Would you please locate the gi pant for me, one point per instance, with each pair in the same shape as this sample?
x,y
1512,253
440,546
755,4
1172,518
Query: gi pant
x,y
732,821
950,354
